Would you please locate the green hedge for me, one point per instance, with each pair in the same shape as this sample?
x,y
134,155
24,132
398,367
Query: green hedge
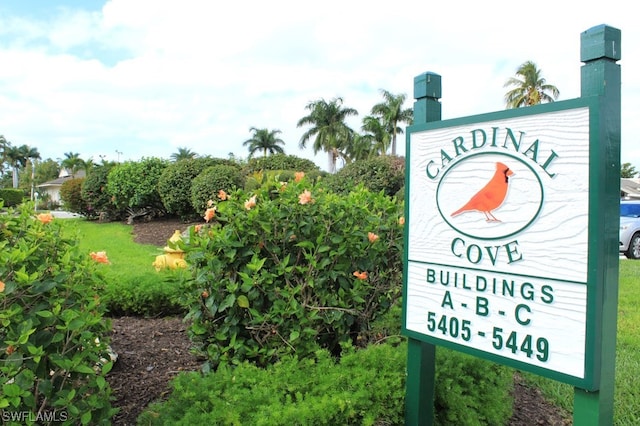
x,y
384,173
11,197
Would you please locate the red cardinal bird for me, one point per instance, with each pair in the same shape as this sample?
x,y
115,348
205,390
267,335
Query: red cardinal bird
x,y
491,196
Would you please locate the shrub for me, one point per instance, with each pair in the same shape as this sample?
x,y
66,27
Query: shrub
x,y
175,183
133,185
53,339
71,196
205,187
95,195
146,294
383,173
365,388
11,197
281,277
280,162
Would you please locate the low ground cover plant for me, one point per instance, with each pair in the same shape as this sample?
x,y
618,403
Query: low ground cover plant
x,y
53,337
365,387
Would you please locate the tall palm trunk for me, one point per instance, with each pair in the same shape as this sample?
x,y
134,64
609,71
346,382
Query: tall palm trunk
x,y
15,178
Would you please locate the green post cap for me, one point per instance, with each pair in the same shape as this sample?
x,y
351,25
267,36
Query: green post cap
x,y
600,42
427,85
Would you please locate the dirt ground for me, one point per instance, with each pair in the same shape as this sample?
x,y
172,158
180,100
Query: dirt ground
x,y
151,351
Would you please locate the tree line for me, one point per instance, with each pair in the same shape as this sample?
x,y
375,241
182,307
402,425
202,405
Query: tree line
x,y
326,130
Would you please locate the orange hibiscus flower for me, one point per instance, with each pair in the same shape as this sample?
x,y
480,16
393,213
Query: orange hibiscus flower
x,y
45,217
250,203
210,213
100,257
222,195
372,237
401,221
305,197
1,286
361,275
299,176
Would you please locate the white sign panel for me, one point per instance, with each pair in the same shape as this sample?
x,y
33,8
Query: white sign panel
x,y
498,237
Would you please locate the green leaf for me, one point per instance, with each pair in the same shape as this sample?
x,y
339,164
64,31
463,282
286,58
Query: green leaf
x,y
75,324
305,244
294,335
85,369
86,418
256,263
107,367
101,382
11,390
242,301
227,302
43,287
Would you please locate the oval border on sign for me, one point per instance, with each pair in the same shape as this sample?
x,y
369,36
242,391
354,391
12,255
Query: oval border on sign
x,y
533,218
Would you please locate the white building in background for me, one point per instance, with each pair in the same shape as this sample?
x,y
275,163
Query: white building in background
x,y
52,187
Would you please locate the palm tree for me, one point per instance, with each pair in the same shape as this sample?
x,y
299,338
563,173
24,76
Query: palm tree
x,y
183,154
72,162
31,154
529,87
376,133
264,140
16,159
360,147
327,121
4,145
392,114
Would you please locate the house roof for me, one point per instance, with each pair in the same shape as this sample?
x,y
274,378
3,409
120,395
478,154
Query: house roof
x,y
630,188
55,182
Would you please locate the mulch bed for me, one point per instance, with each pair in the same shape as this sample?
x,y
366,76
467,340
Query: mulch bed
x,y
152,351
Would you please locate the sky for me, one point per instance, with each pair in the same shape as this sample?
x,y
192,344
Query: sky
x,y
126,79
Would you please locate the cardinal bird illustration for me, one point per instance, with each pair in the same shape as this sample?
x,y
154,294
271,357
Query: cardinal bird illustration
x,y
491,196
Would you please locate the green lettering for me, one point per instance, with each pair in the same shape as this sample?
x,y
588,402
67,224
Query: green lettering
x,y
458,145
512,251
482,306
446,301
549,160
475,139
512,137
534,150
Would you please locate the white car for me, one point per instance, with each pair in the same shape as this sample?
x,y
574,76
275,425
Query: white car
x,y
630,228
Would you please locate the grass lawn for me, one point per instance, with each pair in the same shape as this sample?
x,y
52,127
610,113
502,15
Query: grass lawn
x,y
134,287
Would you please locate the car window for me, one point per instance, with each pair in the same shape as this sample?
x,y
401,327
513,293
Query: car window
x,y
630,210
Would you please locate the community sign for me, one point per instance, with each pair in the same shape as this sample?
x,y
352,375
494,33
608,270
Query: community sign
x,y
498,237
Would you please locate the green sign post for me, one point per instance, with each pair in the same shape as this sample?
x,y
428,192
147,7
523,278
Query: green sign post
x,y
511,245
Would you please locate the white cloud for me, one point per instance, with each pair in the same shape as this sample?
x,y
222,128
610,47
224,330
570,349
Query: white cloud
x,y
146,77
